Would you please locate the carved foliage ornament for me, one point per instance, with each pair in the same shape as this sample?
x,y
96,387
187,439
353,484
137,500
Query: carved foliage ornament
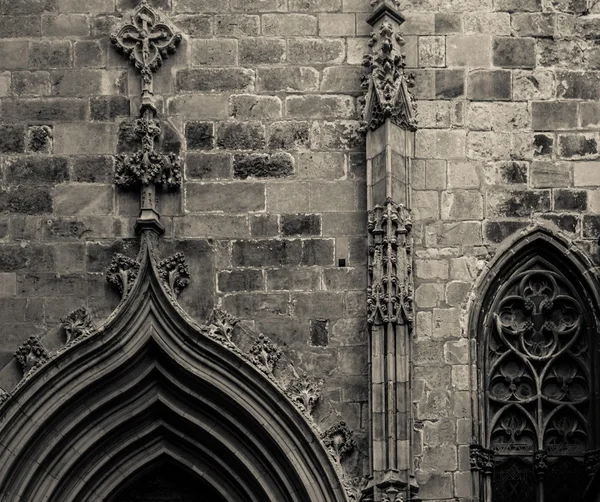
x,y
146,39
305,392
265,354
31,355
220,325
122,273
386,82
538,376
339,440
174,272
78,324
390,288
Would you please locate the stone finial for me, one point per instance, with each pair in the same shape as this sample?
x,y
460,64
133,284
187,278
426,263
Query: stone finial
x,y
339,440
386,82
78,324
31,354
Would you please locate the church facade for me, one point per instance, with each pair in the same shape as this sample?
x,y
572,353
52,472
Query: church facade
x,y
299,250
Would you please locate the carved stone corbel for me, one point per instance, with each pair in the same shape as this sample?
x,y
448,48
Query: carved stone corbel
x,y
31,355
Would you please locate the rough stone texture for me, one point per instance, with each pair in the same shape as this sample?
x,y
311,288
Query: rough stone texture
x,y
263,101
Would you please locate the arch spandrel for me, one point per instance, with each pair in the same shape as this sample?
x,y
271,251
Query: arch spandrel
x,y
185,389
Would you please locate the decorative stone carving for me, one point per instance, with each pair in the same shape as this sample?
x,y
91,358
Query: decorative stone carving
x,y
122,273
147,40
538,383
220,325
31,355
305,392
354,488
540,464
386,83
481,459
265,354
339,440
78,324
174,272
3,396
390,289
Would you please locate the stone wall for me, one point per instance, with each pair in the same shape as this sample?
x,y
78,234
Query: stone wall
x,y
261,100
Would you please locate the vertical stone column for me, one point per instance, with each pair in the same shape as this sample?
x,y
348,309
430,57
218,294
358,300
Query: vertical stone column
x,y
389,120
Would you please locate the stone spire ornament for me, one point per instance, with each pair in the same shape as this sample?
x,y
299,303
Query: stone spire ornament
x,y
389,120
147,40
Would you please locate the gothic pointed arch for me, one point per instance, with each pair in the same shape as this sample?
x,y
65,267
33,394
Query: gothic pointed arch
x,y
534,328
149,388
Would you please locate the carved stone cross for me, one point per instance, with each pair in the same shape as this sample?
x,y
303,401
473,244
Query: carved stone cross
x,y
147,41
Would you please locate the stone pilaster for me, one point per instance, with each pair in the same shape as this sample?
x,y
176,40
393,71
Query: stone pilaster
x,y
389,120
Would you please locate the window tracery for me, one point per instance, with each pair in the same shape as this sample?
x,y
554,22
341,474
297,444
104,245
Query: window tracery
x,y
536,339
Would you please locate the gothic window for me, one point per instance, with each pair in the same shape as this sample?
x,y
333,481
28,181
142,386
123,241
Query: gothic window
x,y
537,340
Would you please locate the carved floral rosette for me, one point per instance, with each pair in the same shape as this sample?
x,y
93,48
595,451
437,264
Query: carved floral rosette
x,y
387,85
31,355
390,288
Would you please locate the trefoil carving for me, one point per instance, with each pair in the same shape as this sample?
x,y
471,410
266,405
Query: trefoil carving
x,y
31,355
339,440
305,392
265,354
175,273
390,288
122,273
78,324
387,85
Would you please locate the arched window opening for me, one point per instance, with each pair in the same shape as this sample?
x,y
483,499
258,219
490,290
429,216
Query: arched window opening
x,y
537,339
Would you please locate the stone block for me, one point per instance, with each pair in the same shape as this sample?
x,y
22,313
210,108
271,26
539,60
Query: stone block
x,y
463,174
201,5
543,145
288,79
447,23
489,85
340,25
240,280
497,231
318,107
533,24
215,52
50,54
510,52
516,203
464,233
261,51
262,253
432,51
229,198
536,84
35,170
289,135
449,84
256,305
12,139
27,7
199,135
425,205
317,305
92,6
287,197
263,165
317,252
315,50
259,5
208,166
586,174
518,5
551,174
241,135
237,25
93,169
578,85
345,279
13,54
195,25
473,51
300,224
333,196
20,26
552,115
80,199
489,23
431,269
199,106
578,146
8,284
109,107
88,54
344,224
289,25
570,200
74,25
211,225
457,352
264,225
429,295
341,79
72,83
214,79
90,138
293,279
43,110
339,135
250,106
321,165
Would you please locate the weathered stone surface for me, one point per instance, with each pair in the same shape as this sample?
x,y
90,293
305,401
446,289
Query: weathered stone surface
x,y
300,224
241,136
230,197
208,166
263,165
35,170
199,135
489,85
289,135
214,80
